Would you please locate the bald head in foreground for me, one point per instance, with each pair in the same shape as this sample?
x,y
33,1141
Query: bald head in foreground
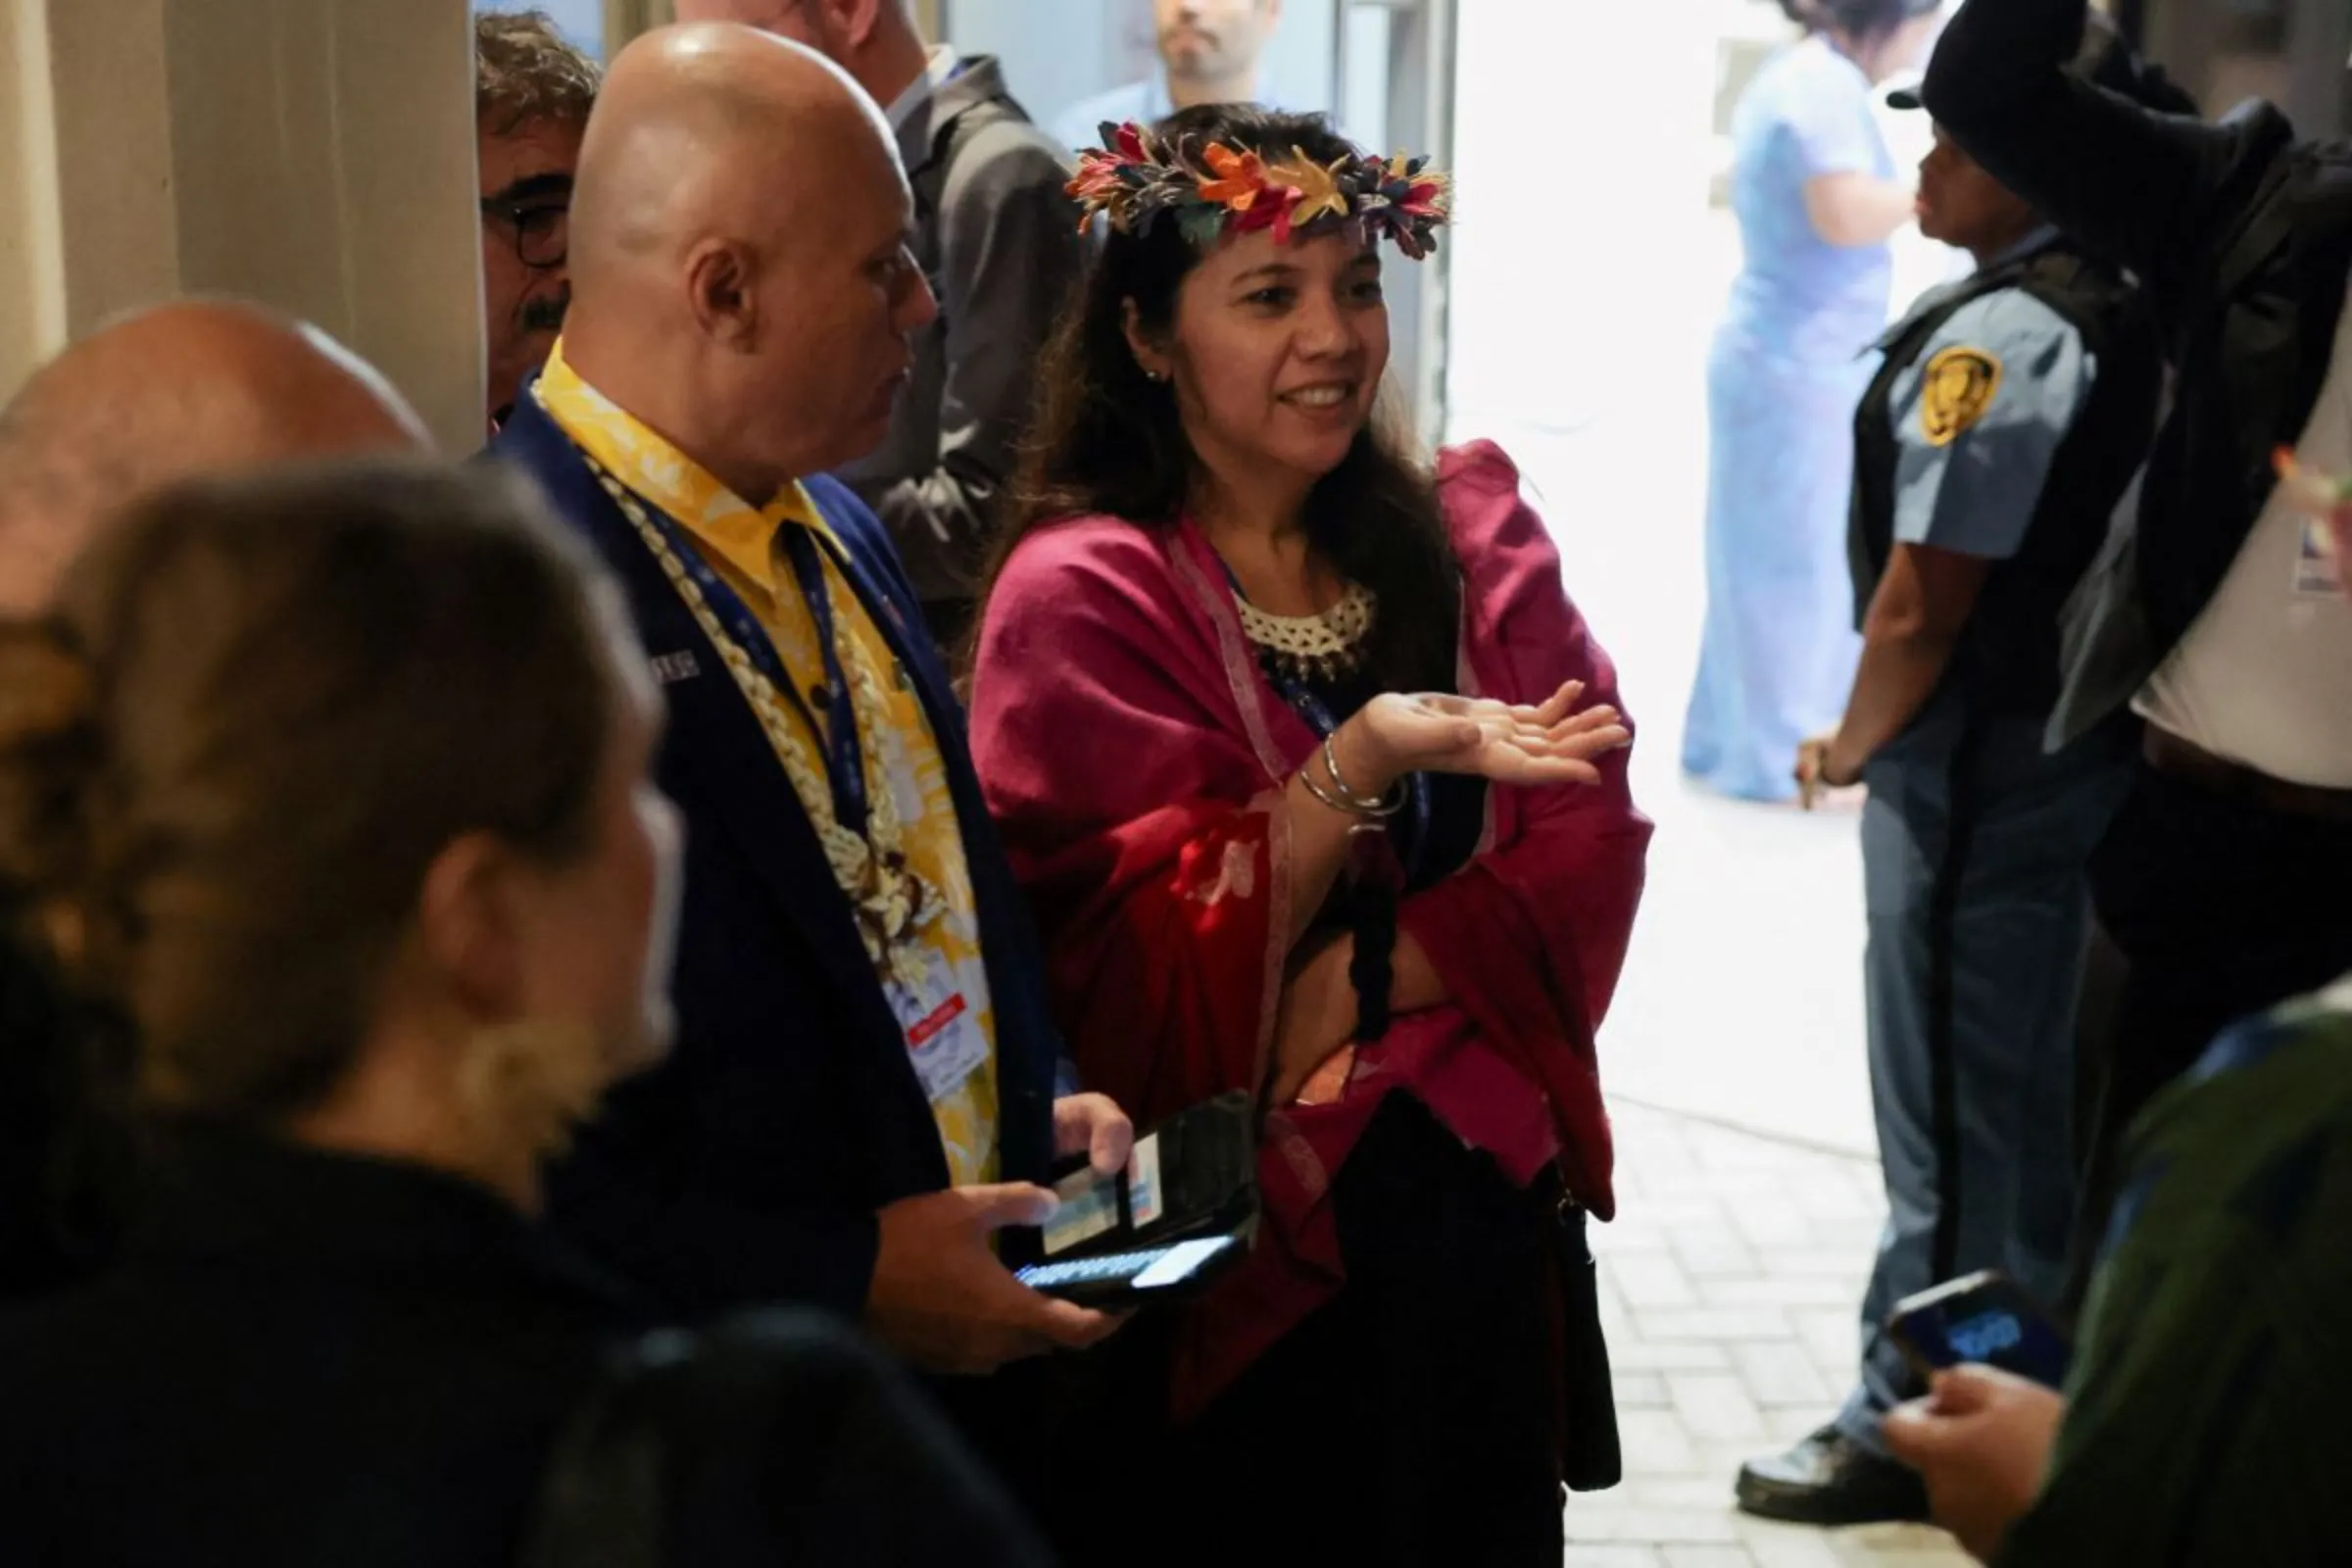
x,y
863,1084
739,269
176,392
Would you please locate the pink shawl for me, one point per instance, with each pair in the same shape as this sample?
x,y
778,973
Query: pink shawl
x,y
1132,752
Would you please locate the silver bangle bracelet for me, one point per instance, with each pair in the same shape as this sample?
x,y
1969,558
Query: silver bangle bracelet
x,y
1347,800
1306,777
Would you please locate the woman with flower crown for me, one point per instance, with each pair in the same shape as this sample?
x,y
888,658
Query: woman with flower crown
x,y
1316,783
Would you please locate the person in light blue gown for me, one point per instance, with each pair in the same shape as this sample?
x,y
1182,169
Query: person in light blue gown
x,y
1817,197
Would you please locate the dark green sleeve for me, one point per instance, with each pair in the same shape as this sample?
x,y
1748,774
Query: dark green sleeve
x,y
2206,1419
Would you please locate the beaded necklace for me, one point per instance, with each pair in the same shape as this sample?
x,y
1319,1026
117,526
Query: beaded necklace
x,y
889,900
1325,647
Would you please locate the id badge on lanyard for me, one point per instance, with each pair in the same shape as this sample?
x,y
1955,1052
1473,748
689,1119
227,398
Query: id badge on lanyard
x,y
2318,499
935,1016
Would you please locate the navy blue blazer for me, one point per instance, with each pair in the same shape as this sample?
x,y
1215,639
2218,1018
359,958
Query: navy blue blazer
x,y
749,1167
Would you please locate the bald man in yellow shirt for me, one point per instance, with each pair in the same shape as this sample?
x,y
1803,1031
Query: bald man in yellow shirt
x,y
866,1084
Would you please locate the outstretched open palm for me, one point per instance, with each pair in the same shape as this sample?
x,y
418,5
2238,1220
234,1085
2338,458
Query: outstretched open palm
x,y
1552,743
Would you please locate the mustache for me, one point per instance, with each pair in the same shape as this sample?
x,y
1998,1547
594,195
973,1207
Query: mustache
x,y
545,313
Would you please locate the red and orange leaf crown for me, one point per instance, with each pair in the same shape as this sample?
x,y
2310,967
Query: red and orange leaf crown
x,y
1206,189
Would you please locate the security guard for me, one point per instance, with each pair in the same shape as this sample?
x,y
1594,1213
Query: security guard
x,y
2006,421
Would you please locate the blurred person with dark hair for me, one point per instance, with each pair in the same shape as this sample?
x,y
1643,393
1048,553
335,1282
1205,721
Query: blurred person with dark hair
x,y
1211,52
1315,777
532,93
2213,615
329,793
1817,196
165,394
2007,417
1000,244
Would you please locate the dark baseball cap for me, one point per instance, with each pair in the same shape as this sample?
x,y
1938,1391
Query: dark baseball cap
x,y
2103,61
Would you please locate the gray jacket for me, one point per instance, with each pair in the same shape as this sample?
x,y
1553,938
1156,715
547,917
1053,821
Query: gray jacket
x,y
1000,242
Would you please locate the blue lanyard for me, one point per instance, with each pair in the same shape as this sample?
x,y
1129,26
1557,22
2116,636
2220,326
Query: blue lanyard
x,y
845,753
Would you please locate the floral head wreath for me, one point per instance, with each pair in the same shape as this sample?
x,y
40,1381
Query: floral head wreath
x,y
1137,177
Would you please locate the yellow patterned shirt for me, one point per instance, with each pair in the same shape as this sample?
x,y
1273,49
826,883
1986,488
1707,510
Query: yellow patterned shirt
x,y
742,546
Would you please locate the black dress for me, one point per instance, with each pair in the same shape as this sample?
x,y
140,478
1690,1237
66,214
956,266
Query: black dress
x,y
1410,1421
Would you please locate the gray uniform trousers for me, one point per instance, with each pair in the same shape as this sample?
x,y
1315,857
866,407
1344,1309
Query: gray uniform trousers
x,y
1973,848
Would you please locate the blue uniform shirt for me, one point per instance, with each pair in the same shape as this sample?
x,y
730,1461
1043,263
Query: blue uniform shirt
x,y
1978,419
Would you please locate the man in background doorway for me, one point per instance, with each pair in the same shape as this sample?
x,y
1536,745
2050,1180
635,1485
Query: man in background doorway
x,y
1211,52
1000,244
532,92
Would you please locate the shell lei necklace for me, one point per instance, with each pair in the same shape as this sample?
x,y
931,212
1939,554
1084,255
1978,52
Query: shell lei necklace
x,y
889,900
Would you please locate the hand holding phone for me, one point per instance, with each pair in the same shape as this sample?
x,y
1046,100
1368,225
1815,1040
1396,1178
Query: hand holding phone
x,y
941,1297
1981,1441
1984,1319
1161,1228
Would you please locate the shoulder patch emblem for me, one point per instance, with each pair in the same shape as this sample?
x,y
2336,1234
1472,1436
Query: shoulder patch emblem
x,y
1956,390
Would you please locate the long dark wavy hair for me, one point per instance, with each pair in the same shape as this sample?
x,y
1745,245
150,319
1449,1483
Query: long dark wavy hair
x,y
1106,439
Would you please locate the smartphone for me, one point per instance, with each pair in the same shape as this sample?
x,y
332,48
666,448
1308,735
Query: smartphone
x,y
1122,1281
1984,1318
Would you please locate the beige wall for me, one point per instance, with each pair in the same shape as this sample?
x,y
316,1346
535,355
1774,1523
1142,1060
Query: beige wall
x,y
316,155
32,292
626,19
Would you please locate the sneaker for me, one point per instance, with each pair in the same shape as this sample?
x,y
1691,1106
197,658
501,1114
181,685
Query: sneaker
x,y
1829,1479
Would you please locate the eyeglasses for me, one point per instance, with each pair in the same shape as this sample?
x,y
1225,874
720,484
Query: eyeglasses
x,y
542,228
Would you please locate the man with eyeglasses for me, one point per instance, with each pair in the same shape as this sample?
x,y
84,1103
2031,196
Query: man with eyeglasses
x,y
532,93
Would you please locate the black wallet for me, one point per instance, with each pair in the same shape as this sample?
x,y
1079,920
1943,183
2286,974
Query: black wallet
x,y
1180,1213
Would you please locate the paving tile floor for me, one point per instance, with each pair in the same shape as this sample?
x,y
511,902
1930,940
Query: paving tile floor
x,y
1730,1284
